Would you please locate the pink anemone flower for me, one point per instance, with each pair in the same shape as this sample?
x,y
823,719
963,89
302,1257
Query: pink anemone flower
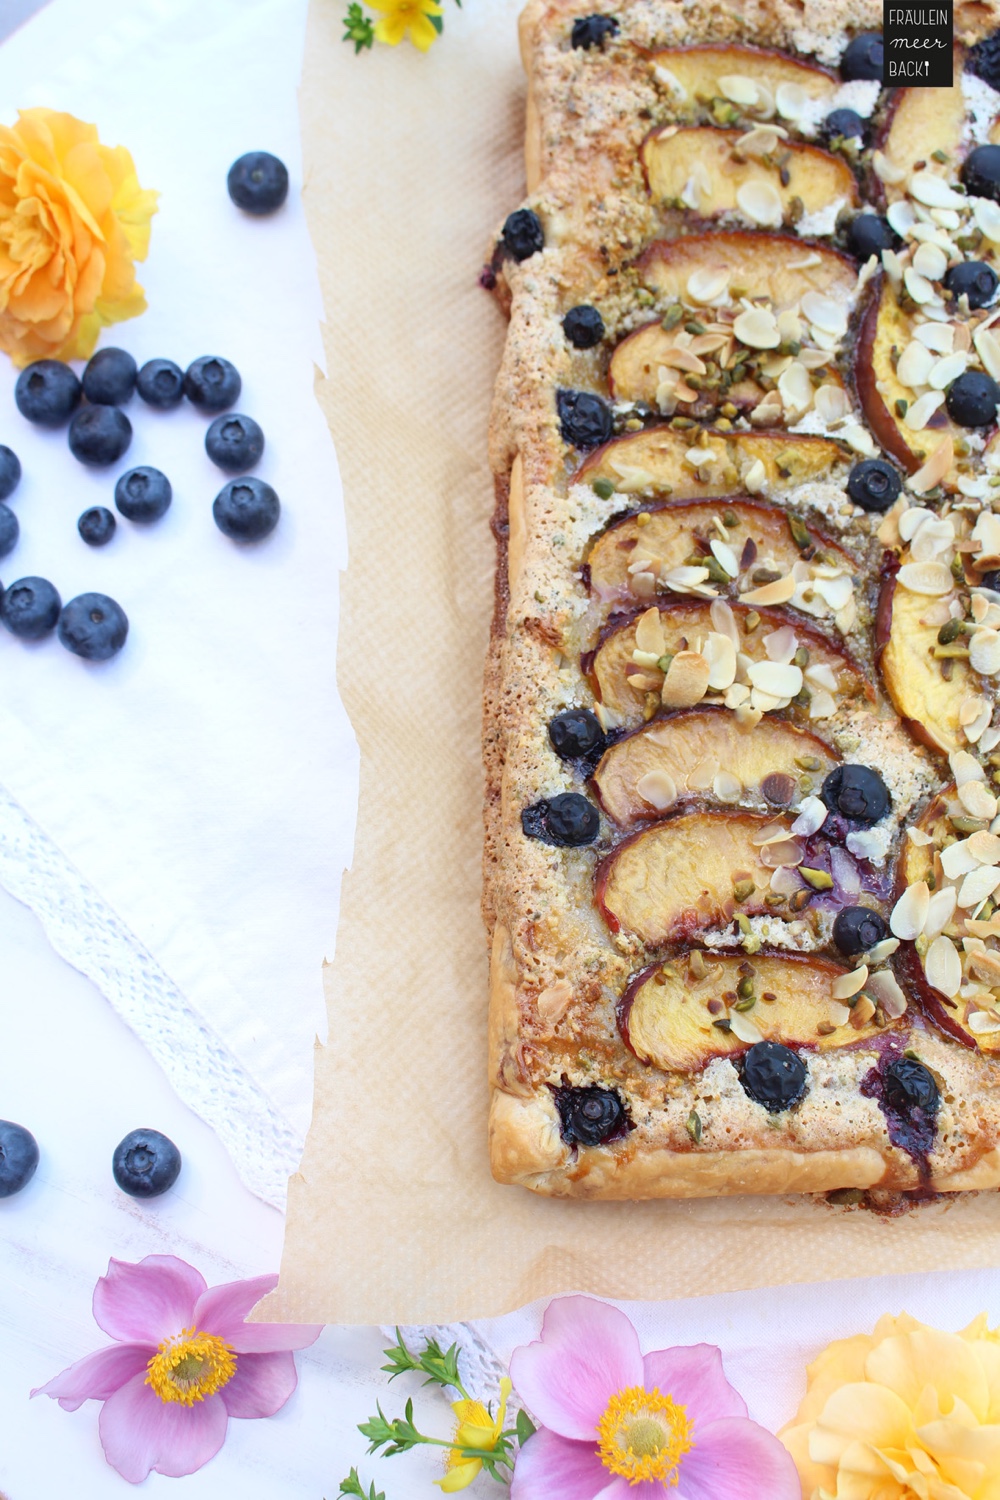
x,y
617,1425
183,1362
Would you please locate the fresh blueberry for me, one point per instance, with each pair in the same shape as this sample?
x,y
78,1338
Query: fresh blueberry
x,y
774,1076
856,792
873,484
9,530
48,393
258,182
575,732
212,383
846,123
863,57
591,31
145,1164
97,526
523,234
160,383
991,580
984,60
18,1158
235,443
858,928
567,820
973,279
246,509
981,172
99,435
583,326
30,608
972,399
869,235
10,472
909,1085
589,1116
584,419
93,626
109,378
143,494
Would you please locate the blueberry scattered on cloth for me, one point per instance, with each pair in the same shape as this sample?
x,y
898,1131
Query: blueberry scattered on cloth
x,y
30,608
99,435
48,393
109,379
234,442
18,1158
93,626
143,494
97,526
160,383
10,472
258,182
145,1164
212,383
9,530
246,509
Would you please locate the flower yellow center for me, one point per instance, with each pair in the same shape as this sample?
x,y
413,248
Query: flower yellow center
x,y
191,1366
644,1435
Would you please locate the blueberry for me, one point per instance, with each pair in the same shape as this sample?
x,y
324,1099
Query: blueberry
x,y
160,383
591,31
567,820
99,435
145,1164
212,383
856,792
873,484
972,399
523,234
575,732
48,393
9,530
109,378
981,172
984,60
973,279
773,1075
846,123
235,443
97,526
991,580
10,472
858,928
18,1158
93,626
583,326
143,494
584,419
30,608
869,235
258,182
246,509
863,57
589,1116
909,1085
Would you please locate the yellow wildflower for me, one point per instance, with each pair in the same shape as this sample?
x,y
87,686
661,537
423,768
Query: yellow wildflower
x,y
908,1411
406,18
475,1429
73,220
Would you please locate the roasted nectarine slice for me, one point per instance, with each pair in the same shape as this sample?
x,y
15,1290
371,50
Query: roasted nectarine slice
x,y
725,71
689,465
779,267
927,690
681,1014
920,122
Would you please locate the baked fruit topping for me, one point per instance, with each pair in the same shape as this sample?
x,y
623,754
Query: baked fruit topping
x,y
566,820
984,60
590,1116
910,1085
778,268
731,81
711,172
923,133
863,57
973,279
680,1014
981,172
774,1076
870,234
857,929
575,733
691,465
972,399
584,419
874,485
583,326
844,125
857,793
523,235
592,31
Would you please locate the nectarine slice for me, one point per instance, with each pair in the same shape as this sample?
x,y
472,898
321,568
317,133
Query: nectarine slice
x,y
676,463
725,180
920,122
779,267
927,693
715,71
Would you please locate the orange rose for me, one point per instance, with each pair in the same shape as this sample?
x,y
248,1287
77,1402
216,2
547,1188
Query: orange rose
x,y
73,220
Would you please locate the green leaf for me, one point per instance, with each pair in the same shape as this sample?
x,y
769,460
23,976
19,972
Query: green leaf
x,y
358,28
352,1486
396,1436
525,1427
437,23
440,1367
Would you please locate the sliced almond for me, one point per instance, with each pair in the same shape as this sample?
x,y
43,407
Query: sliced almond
x,y
940,911
846,985
914,365
757,328
919,412
919,837
725,557
796,390
977,886
947,369
931,473
742,1027
883,950
939,338
822,705
965,767
812,815
781,645
686,681
553,1002
658,788
738,88
786,851
958,860
708,283
988,348
778,592
761,202
984,652
887,170
720,653
724,621
727,787
933,192
984,847
931,578
824,313
943,966
930,260
649,634
779,679
983,1022
910,912
755,478
884,987
830,403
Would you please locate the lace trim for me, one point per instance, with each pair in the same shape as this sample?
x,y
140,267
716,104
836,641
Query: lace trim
x,y
85,931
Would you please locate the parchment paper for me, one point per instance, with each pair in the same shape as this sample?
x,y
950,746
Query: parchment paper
x,y
393,1216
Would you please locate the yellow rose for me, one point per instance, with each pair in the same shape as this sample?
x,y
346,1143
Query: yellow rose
x,y
73,219
907,1413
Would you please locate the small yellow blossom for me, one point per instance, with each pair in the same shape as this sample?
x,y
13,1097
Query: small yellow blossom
x,y
475,1429
73,220
906,1413
406,18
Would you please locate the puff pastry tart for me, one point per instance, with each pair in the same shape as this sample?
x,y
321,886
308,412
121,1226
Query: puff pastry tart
x,y
742,737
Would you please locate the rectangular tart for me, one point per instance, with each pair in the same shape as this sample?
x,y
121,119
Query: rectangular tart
x,y
741,739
